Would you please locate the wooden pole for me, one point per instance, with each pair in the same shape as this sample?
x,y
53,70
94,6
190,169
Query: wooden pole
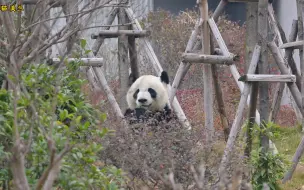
x,y
234,71
219,9
285,71
300,30
205,58
216,33
93,62
263,68
251,39
208,93
123,59
117,33
293,45
184,67
295,160
133,57
99,41
236,126
103,82
219,96
301,9
278,94
268,78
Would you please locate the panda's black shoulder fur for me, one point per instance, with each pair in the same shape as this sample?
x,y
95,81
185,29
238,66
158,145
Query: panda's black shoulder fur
x,y
164,77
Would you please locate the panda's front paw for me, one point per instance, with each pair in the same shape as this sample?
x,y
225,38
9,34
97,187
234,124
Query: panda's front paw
x,y
139,112
128,112
167,110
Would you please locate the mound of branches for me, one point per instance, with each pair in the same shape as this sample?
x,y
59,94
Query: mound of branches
x,y
156,149
149,148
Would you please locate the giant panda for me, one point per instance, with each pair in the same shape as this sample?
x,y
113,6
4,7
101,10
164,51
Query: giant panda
x,y
149,93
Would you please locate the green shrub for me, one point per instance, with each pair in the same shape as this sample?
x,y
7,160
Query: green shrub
x,y
267,167
63,112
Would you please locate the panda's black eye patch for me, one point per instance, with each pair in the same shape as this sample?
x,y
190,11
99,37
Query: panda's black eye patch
x,y
152,92
135,94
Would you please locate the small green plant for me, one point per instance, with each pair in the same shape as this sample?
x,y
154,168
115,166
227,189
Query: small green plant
x,y
267,167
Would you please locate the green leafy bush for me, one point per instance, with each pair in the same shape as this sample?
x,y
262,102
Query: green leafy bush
x,y
267,167
63,112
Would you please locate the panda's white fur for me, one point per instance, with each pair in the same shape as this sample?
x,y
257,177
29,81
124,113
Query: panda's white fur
x,y
139,91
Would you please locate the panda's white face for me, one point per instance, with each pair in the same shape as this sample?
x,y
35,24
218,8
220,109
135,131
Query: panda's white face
x,y
148,92
145,98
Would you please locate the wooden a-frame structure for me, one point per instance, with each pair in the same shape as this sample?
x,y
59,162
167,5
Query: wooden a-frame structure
x,y
284,60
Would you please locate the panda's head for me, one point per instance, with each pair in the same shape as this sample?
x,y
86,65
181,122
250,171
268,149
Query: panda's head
x,y
149,92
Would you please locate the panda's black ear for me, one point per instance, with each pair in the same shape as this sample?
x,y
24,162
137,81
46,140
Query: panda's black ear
x,y
132,79
164,77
